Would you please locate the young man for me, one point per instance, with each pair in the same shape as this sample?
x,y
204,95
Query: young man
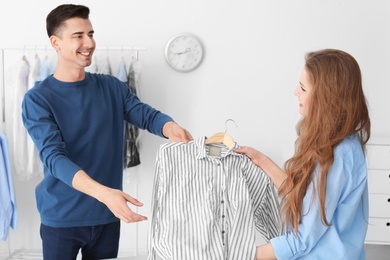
x,y
76,120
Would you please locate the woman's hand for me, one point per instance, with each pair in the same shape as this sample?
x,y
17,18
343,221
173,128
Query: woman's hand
x,y
270,168
253,154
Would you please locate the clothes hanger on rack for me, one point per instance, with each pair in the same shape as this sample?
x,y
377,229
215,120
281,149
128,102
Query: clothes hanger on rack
x,y
222,137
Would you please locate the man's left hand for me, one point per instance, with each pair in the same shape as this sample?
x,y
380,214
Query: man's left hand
x,y
176,133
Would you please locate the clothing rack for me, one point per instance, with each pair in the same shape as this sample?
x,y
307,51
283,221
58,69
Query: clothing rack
x,y
134,49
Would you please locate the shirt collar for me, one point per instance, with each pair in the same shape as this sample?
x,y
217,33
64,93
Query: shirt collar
x,y
202,152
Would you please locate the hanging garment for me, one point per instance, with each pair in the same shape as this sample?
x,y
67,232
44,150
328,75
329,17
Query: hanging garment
x,y
8,212
35,74
34,165
128,144
122,74
18,138
132,157
133,75
132,154
46,68
106,67
207,203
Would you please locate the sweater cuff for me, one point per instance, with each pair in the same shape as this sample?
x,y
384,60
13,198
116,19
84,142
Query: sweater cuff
x,y
165,119
65,170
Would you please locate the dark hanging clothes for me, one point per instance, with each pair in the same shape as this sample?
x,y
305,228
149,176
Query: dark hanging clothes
x,y
131,154
132,132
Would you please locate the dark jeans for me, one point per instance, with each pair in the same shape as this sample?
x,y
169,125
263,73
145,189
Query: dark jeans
x,y
95,242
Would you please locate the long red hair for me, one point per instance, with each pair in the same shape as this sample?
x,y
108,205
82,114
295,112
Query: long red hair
x,y
337,109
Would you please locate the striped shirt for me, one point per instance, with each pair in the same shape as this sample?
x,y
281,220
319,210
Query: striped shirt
x,y
207,202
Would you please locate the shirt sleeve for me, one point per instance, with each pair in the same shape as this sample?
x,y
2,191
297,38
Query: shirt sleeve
x,y
265,202
311,229
155,205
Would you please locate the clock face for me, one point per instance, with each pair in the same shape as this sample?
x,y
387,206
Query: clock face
x,y
184,52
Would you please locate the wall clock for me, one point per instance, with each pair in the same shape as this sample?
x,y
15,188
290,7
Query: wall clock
x,y
184,52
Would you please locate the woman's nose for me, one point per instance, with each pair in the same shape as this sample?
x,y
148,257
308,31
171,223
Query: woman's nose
x,y
297,91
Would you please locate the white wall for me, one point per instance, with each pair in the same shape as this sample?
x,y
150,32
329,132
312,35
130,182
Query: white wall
x,y
254,54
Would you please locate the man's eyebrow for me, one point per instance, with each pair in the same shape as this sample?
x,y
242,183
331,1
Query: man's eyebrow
x,y
77,33
80,33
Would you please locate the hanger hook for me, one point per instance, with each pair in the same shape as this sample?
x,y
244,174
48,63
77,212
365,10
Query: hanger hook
x,y
227,122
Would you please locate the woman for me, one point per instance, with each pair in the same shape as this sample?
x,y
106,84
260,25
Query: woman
x,y
323,187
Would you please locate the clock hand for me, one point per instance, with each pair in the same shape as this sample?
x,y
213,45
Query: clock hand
x,y
180,53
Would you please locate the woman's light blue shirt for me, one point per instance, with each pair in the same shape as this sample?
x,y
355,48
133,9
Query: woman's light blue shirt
x,y
346,207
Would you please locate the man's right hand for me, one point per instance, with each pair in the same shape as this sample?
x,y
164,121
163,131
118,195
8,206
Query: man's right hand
x,y
116,200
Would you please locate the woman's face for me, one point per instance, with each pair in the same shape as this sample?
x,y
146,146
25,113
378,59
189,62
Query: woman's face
x,y
303,92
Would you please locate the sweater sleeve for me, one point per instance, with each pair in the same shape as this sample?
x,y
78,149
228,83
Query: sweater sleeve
x,y
144,116
44,131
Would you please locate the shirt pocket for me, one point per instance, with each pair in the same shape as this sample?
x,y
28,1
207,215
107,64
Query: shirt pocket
x,y
238,190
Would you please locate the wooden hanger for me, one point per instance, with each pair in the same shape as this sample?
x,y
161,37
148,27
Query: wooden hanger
x,y
221,138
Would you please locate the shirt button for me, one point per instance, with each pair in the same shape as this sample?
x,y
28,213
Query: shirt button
x,y
222,201
223,216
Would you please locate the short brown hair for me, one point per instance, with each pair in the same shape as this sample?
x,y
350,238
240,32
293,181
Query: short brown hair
x,y
56,18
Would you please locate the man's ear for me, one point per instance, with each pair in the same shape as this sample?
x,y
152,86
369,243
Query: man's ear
x,y
54,41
